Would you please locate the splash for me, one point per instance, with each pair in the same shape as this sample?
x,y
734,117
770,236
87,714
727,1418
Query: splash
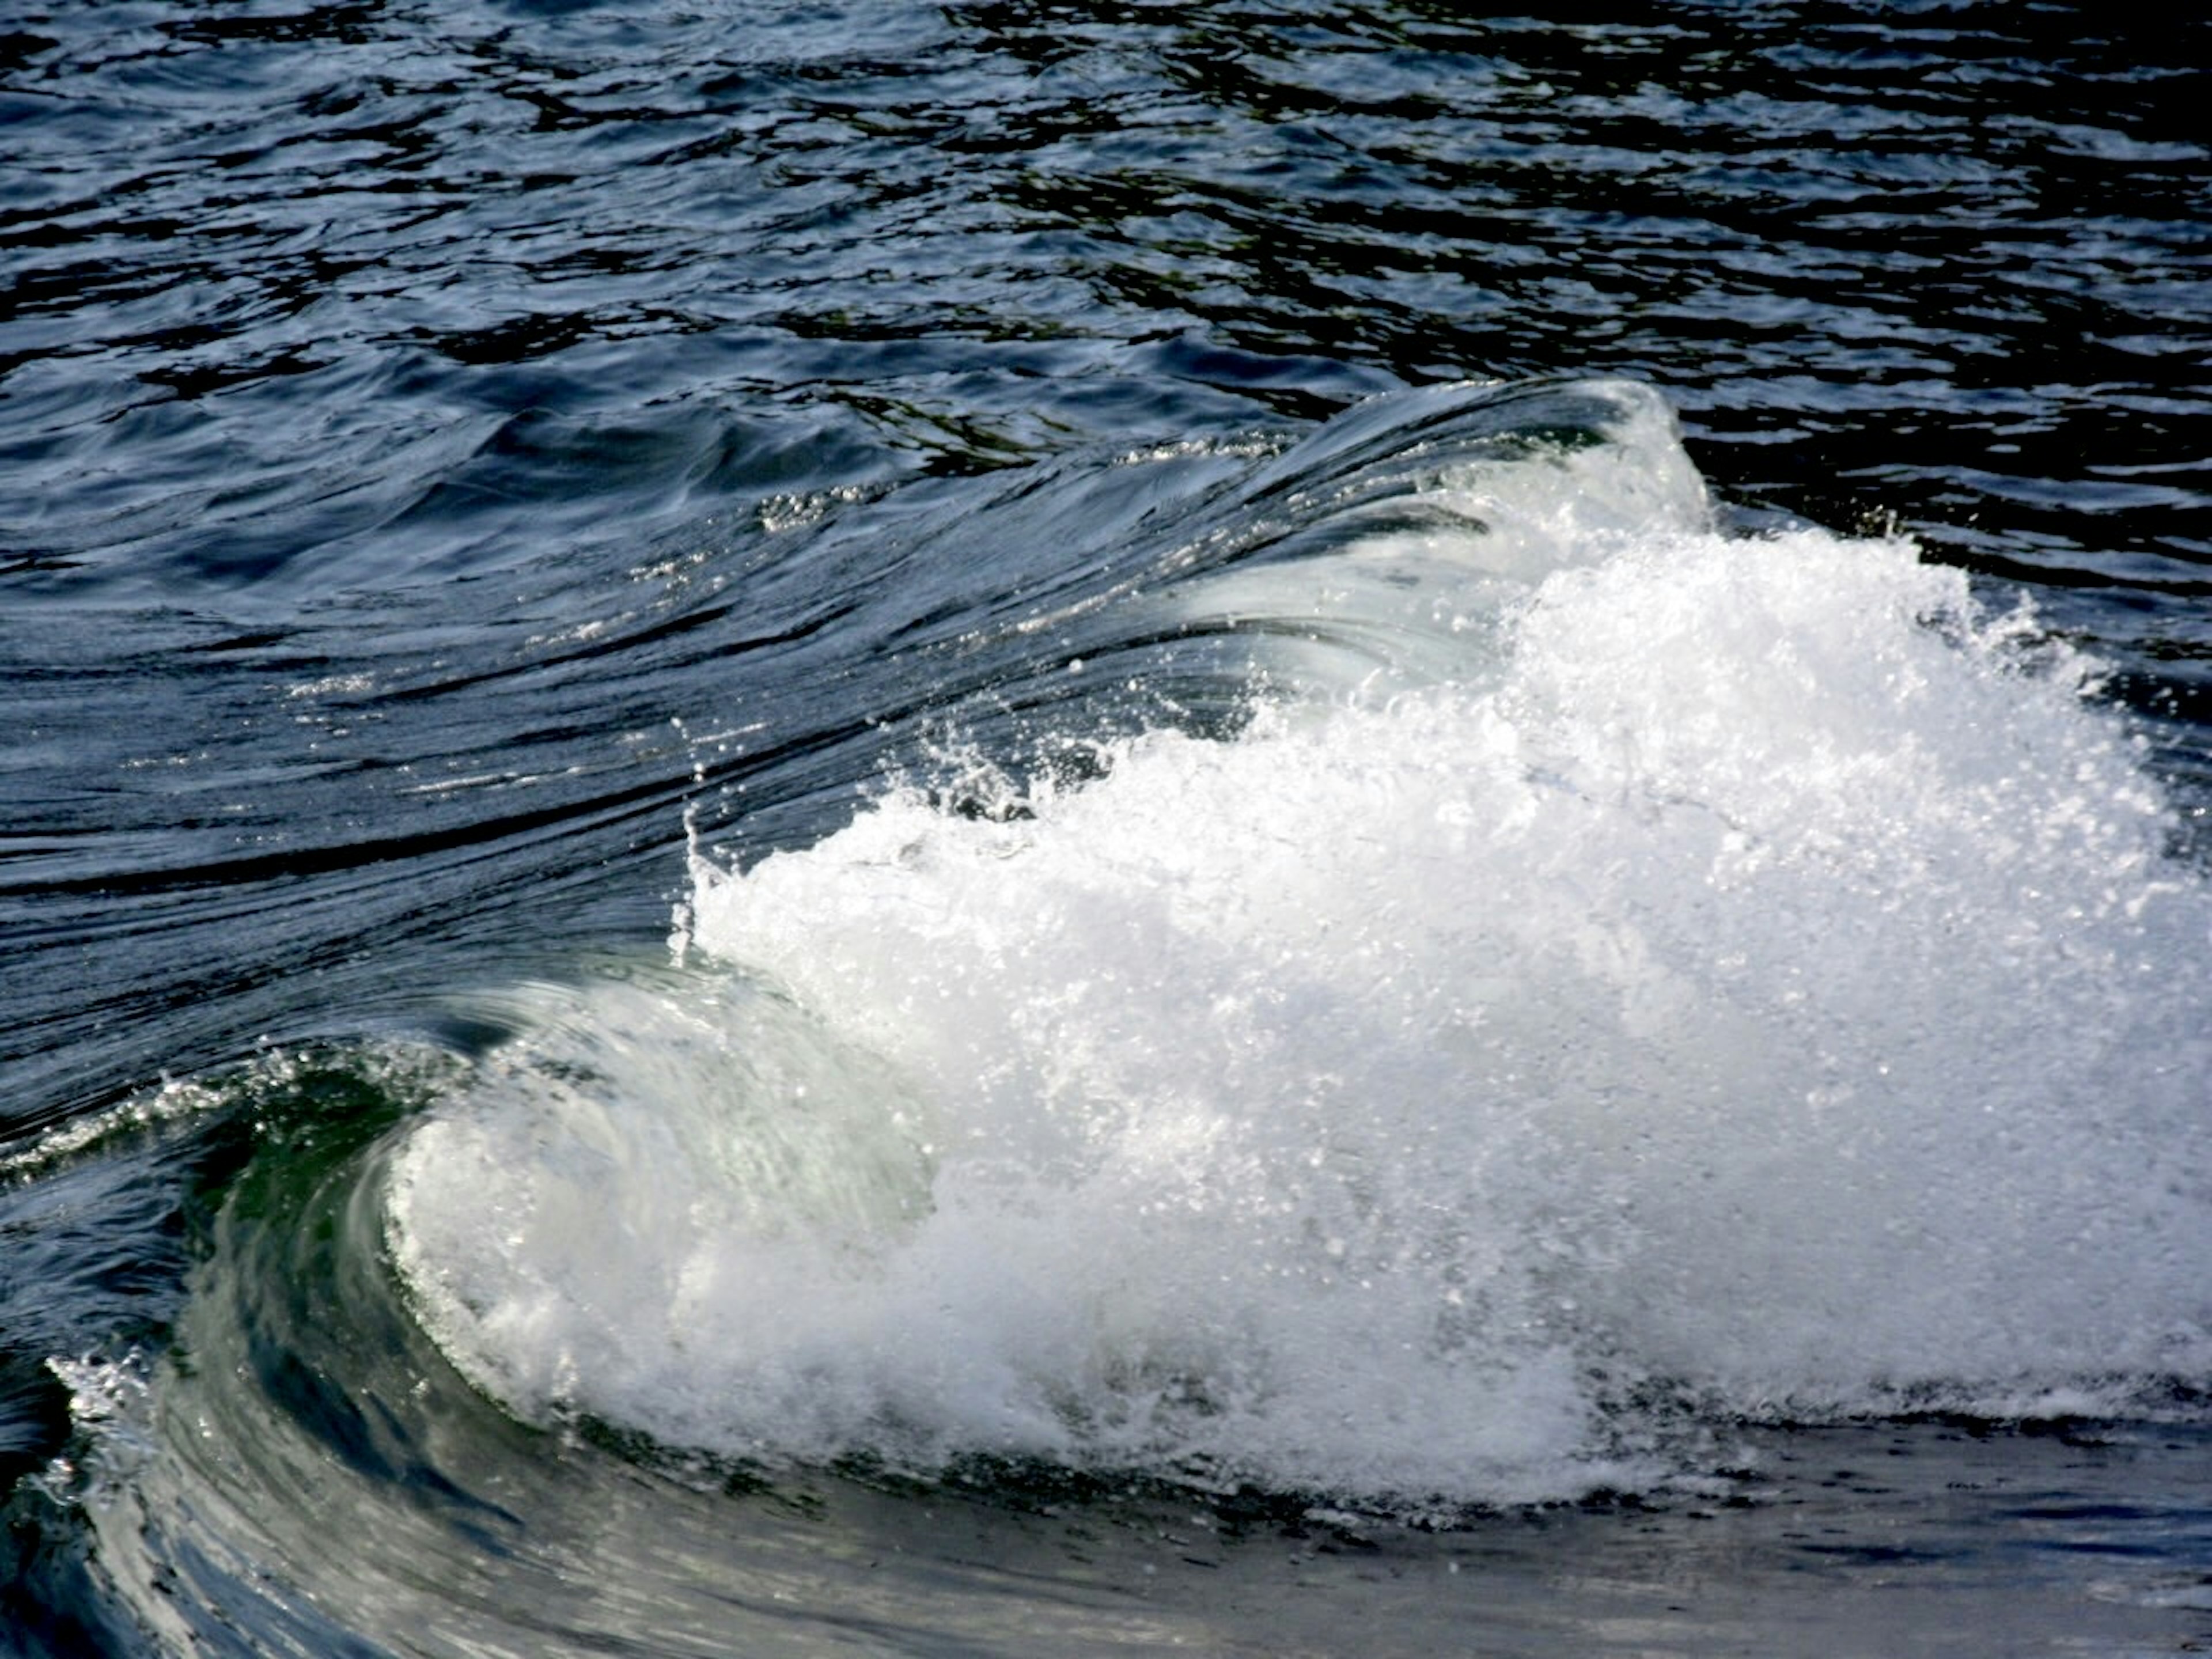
x,y
1637,976
109,1407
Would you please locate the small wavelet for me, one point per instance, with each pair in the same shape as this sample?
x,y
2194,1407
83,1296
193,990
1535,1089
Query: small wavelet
x,y
1702,979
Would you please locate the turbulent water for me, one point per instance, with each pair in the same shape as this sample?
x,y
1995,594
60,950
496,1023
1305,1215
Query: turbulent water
x,y
1077,829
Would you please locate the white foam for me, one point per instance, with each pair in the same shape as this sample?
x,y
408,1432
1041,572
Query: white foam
x,y
1744,969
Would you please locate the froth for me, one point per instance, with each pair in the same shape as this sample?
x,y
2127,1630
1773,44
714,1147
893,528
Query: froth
x,y
1753,981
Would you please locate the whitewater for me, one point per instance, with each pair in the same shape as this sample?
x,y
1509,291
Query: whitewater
x,y
1620,979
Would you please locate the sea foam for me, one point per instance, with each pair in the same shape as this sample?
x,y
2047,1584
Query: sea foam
x,y
1625,974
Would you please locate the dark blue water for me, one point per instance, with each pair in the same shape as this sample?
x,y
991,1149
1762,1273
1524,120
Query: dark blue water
x,y
459,464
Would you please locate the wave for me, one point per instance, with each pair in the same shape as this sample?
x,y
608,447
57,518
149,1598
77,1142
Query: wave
x,y
1620,978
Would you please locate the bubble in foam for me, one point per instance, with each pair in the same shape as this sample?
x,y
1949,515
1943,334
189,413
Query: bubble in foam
x,y
1753,980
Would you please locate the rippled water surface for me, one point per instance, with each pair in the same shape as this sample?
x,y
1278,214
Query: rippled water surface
x,y
1081,827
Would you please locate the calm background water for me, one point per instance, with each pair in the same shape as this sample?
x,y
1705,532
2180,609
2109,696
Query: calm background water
x,y
443,451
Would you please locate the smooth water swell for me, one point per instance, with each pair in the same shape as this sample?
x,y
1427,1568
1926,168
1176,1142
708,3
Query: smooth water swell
x,y
1739,976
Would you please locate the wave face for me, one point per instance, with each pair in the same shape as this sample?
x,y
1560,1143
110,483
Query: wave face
x,y
1620,979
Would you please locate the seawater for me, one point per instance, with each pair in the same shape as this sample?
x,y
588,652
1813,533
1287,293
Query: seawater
x,y
1006,829
1442,1090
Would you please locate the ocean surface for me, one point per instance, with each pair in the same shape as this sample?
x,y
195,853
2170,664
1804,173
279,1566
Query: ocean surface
x,y
1102,827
